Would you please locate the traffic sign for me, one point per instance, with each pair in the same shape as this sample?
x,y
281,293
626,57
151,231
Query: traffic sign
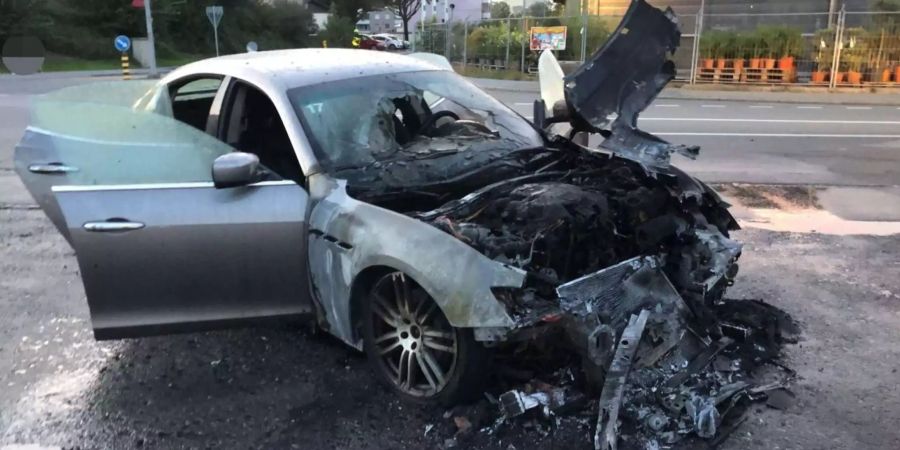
x,y
214,14
122,43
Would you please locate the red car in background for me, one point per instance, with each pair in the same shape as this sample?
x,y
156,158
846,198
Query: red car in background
x,y
369,43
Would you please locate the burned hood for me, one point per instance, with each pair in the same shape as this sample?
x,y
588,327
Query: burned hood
x,y
608,92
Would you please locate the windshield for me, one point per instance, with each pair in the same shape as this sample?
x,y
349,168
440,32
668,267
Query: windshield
x,y
358,122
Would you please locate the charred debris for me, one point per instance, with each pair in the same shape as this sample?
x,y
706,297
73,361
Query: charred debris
x,y
623,315
627,272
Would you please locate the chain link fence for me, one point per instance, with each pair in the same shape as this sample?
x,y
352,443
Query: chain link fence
x,y
819,49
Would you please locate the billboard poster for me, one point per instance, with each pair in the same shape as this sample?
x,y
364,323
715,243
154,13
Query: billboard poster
x,y
553,38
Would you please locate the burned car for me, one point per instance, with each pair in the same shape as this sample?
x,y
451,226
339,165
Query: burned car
x,y
412,215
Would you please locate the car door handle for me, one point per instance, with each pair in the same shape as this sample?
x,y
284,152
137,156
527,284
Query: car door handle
x,y
54,167
113,226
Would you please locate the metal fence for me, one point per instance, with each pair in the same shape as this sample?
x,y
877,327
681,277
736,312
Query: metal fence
x,y
820,49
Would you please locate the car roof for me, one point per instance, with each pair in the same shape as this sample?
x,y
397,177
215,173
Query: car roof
x,y
286,69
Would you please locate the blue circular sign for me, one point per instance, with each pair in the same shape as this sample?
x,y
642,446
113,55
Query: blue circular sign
x,y
123,43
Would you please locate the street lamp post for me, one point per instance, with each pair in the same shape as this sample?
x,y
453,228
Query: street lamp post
x,y
148,16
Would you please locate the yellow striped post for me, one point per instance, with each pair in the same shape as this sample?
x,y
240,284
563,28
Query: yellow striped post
x,y
126,71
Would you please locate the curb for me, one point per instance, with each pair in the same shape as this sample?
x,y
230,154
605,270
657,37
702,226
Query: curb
x,y
883,97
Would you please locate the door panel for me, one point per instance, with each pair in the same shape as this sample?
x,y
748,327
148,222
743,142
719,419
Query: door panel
x,y
92,135
183,257
36,152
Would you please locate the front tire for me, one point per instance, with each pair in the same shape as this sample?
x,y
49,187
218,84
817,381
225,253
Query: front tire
x,y
413,348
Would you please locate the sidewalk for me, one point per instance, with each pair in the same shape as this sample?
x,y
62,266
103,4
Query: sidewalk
x,y
768,94
135,73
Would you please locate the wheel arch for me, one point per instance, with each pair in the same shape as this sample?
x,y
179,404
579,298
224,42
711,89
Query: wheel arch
x,y
359,289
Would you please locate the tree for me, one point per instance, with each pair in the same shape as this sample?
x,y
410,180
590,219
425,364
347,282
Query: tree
x,y
538,9
499,10
338,31
351,8
405,10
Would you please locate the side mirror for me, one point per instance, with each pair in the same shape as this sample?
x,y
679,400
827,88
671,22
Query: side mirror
x,y
235,169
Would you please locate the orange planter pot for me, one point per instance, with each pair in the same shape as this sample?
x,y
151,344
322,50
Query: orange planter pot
x,y
721,63
786,63
708,63
819,76
769,63
897,74
839,77
755,63
886,76
738,66
854,77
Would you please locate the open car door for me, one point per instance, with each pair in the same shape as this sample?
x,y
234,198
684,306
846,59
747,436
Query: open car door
x,y
161,249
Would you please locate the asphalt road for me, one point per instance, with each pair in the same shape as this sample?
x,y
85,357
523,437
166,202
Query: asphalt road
x,y
839,145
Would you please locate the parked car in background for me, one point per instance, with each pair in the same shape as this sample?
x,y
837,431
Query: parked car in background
x,y
368,42
389,42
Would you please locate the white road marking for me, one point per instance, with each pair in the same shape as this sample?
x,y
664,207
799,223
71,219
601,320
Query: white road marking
x,y
712,106
809,107
715,119
671,106
523,104
762,106
859,107
778,135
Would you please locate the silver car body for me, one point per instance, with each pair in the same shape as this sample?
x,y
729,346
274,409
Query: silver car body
x,y
180,255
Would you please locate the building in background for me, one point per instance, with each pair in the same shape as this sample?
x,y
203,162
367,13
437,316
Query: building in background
x,y
379,21
440,11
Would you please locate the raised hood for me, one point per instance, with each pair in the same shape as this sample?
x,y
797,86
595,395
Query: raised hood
x,y
608,92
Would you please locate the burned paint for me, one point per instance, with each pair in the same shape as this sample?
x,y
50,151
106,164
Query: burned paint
x,y
457,277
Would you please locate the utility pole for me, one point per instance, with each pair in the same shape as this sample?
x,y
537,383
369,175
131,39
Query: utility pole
x,y
832,7
148,15
695,50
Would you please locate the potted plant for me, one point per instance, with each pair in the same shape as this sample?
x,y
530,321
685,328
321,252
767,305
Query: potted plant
x,y
728,49
743,49
824,41
722,47
792,44
753,45
881,72
770,43
708,48
854,54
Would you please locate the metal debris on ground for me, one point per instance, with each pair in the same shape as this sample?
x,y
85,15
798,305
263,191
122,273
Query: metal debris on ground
x,y
698,388
605,438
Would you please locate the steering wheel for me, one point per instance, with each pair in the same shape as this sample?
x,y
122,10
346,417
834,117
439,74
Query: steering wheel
x,y
429,123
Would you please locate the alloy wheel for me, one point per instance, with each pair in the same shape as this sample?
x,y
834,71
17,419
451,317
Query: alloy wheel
x,y
416,346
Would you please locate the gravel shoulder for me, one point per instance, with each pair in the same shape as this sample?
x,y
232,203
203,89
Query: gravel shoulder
x,y
290,387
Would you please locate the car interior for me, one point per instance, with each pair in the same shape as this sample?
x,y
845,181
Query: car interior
x,y
252,125
249,123
191,101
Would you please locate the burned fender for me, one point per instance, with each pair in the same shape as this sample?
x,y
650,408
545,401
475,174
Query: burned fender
x,y
348,236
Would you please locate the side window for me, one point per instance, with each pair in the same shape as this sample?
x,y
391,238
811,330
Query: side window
x,y
101,129
191,101
251,124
